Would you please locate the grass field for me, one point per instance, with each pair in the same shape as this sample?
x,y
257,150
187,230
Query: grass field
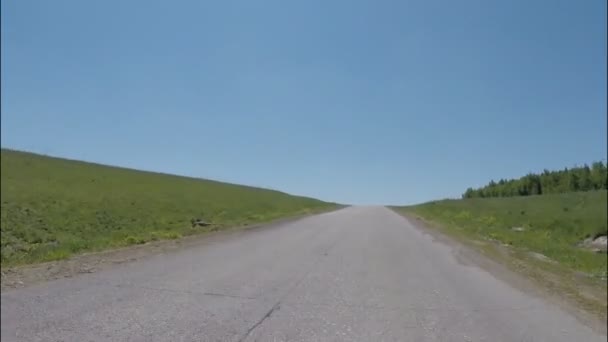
x,y
552,225
53,208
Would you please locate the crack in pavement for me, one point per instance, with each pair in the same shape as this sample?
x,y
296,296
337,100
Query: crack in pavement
x,y
267,315
297,283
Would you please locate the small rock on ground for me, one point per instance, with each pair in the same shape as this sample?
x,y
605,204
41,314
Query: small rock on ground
x,y
541,257
598,244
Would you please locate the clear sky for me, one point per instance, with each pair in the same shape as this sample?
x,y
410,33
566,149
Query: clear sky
x,y
365,102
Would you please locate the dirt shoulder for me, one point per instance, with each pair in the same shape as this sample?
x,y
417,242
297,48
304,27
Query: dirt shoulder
x,y
584,298
28,275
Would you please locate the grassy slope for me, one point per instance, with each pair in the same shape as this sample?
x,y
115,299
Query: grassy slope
x,y
52,208
554,224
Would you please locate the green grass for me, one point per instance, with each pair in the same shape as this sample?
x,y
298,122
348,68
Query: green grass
x,y
53,208
554,224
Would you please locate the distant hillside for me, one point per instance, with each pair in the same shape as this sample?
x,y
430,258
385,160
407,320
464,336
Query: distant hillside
x,y
582,178
52,208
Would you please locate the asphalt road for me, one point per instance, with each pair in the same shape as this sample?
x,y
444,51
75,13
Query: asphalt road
x,y
358,274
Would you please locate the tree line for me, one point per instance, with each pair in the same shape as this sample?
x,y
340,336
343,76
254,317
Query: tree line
x,y
583,178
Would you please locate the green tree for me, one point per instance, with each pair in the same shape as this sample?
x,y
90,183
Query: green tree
x,y
573,181
564,181
470,193
533,184
599,175
546,182
585,182
582,178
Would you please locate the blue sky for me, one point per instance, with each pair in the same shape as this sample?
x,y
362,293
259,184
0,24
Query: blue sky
x,y
365,102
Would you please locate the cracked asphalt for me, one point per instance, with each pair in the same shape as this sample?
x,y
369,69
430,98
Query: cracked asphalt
x,y
357,274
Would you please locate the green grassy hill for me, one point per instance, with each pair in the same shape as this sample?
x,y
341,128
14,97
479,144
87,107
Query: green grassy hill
x,y
52,208
552,225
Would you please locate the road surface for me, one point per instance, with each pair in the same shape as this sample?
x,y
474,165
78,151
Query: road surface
x,y
357,274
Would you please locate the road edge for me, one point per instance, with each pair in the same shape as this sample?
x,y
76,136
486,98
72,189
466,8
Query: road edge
x,y
22,276
504,266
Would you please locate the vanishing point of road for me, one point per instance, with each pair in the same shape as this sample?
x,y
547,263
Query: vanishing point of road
x,y
357,274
